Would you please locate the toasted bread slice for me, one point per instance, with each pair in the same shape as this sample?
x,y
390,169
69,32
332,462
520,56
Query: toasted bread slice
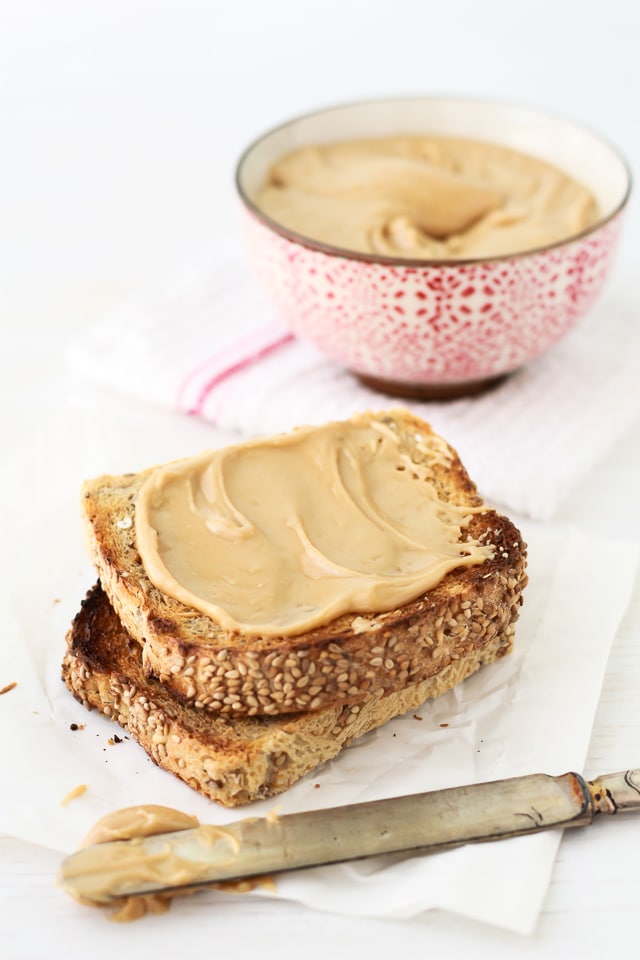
x,y
231,761
349,659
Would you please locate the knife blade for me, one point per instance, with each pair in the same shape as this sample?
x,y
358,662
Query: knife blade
x,y
428,822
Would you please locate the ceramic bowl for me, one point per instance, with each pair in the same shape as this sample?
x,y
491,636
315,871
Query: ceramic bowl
x,y
436,328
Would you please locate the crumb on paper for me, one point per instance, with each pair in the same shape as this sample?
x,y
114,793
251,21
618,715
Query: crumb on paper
x,y
444,724
73,794
416,717
317,786
56,601
77,726
8,687
274,814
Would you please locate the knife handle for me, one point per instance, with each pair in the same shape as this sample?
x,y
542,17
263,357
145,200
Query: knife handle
x,y
615,792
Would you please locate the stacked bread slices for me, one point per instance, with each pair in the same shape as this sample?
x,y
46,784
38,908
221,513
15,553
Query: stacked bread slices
x,y
241,717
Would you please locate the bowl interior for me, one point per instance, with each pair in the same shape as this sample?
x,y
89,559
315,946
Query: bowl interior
x,y
577,151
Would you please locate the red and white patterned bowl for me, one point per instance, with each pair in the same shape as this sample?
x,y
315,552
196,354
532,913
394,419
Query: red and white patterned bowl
x,y
436,328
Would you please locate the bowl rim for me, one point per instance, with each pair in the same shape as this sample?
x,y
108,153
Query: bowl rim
x,y
413,262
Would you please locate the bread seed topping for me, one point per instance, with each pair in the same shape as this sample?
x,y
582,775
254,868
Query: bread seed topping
x,y
425,198
278,536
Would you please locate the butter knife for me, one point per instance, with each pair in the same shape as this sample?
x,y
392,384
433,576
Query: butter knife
x,y
428,822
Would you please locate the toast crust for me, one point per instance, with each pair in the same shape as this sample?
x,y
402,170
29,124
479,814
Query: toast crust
x,y
352,658
231,761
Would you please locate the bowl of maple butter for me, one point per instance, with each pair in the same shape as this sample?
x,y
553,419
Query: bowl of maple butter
x,y
432,246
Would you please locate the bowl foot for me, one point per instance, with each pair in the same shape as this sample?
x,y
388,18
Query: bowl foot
x,y
430,391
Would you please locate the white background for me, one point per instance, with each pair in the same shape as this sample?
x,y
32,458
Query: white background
x,y
120,124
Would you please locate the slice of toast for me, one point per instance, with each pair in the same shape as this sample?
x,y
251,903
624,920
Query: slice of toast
x,y
232,761
352,658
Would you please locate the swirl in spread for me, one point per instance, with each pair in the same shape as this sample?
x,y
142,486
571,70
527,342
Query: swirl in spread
x,y
278,536
425,198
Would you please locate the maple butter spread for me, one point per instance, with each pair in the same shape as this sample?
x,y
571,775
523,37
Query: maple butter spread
x,y
104,871
425,198
278,536
144,820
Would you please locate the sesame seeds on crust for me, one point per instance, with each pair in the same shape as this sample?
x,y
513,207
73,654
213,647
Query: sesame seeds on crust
x,y
230,761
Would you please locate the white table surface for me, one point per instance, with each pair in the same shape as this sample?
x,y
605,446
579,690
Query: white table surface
x,y
120,125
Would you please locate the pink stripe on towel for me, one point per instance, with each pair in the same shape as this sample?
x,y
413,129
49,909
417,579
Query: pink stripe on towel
x,y
223,358
242,364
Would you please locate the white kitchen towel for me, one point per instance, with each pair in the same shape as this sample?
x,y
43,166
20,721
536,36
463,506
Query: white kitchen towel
x,y
209,346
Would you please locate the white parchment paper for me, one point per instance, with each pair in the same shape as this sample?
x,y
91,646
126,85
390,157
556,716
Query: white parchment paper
x,y
530,713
